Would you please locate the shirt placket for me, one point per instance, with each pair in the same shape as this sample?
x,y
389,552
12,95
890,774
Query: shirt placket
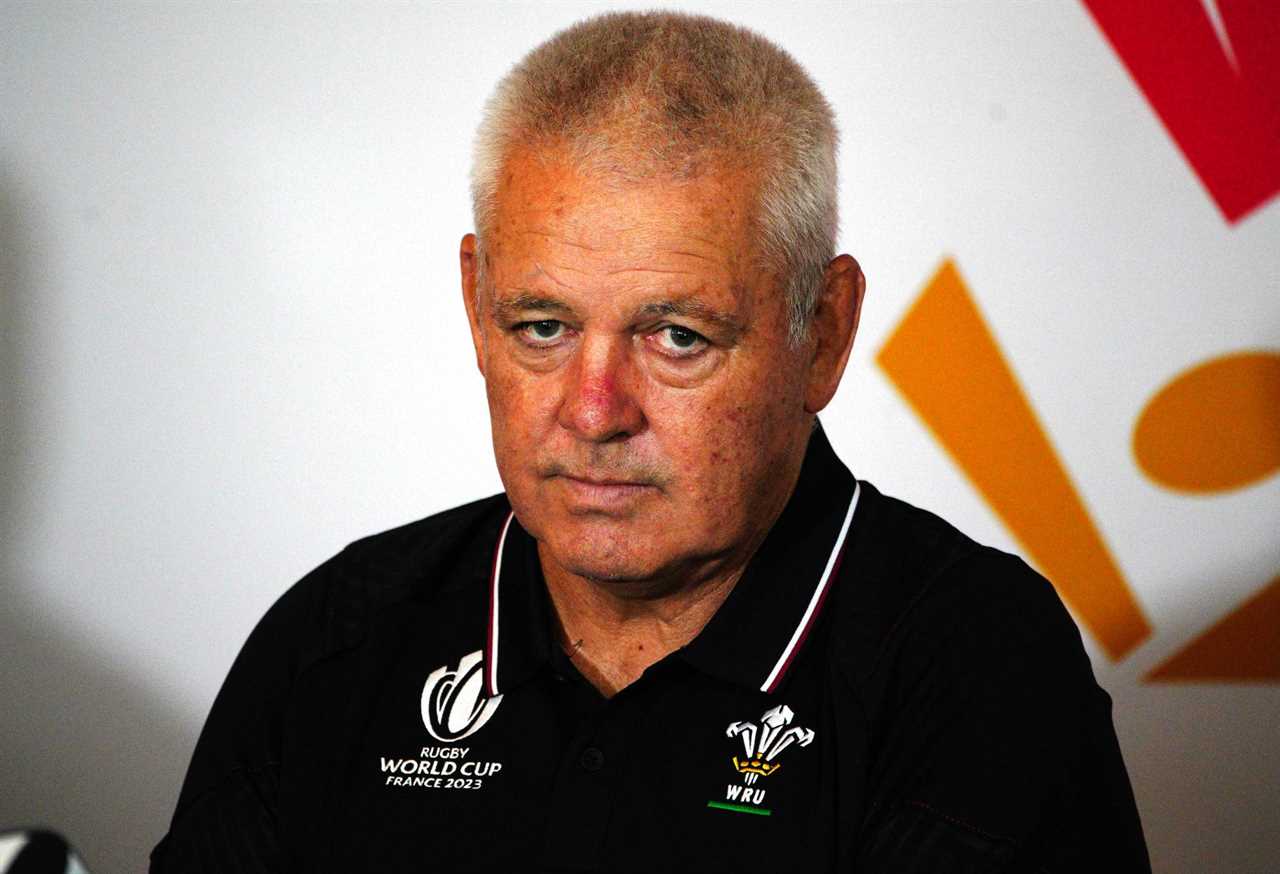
x,y
583,797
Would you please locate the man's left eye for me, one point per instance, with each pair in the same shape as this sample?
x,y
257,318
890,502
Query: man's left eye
x,y
679,341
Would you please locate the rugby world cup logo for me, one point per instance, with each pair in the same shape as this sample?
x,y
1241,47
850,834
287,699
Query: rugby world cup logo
x,y
453,702
763,742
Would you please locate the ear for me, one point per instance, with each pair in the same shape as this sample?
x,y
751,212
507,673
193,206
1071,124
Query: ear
x,y
467,256
835,322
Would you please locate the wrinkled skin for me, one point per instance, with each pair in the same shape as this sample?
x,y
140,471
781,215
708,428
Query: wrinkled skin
x,y
649,417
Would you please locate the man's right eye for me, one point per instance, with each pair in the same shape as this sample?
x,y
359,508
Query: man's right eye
x,y
541,333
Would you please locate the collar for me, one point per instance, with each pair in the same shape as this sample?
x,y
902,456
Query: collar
x,y
752,640
518,637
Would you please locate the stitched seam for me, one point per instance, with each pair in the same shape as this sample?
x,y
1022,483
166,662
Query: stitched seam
x,y
956,821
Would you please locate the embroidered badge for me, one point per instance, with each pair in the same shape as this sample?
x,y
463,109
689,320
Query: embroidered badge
x,y
454,707
762,743
453,700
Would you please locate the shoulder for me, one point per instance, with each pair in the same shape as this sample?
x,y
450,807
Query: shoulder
x,y
424,553
331,607
329,612
989,730
918,588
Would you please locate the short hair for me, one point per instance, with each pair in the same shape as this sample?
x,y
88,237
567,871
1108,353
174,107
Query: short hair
x,y
643,94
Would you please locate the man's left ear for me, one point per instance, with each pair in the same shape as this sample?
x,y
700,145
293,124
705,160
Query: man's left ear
x,y
835,322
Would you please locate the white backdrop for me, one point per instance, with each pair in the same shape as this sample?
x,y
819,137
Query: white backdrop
x,y
233,342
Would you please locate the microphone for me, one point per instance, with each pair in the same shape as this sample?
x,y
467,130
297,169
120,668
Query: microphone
x,y
37,851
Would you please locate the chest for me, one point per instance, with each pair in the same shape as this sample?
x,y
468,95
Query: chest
x,y
679,772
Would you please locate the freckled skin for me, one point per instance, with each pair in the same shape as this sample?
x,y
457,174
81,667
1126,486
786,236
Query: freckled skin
x,y
694,449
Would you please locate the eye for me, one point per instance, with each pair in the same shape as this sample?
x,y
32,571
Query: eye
x,y
545,332
678,341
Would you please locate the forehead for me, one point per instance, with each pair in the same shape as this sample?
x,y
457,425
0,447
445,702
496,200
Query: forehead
x,y
547,207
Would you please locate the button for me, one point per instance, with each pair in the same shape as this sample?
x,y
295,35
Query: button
x,y
591,759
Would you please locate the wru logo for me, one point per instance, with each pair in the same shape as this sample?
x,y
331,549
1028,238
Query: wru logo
x,y
765,741
453,703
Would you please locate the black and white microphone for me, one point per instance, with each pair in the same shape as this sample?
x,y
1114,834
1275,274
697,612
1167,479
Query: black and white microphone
x,y
37,851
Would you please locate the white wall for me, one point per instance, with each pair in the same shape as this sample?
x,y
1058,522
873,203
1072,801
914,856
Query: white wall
x,y
233,342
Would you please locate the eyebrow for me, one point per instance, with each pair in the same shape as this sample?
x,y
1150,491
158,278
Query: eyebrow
x,y
692,308
524,303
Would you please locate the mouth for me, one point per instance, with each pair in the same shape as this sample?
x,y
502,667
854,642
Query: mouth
x,y
602,481
590,492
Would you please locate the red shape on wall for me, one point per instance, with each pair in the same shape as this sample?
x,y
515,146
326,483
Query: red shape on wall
x,y
1220,103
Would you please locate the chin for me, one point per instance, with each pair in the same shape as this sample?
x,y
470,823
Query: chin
x,y
603,557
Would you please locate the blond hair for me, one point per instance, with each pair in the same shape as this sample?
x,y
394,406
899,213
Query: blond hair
x,y
643,94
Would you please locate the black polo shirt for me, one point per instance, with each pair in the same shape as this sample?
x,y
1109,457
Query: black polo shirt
x,y
878,693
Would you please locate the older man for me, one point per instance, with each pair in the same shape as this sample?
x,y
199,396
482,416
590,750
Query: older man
x,y
686,638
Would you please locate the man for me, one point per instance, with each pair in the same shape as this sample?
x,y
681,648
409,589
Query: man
x,y
685,638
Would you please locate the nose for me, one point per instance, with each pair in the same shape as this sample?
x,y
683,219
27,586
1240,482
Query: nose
x,y
599,402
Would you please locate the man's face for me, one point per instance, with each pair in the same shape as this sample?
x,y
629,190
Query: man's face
x,y
648,415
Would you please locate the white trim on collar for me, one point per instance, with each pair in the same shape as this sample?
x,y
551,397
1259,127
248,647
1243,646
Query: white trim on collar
x,y
779,668
491,651
811,612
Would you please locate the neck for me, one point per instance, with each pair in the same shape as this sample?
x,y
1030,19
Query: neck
x,y
613,632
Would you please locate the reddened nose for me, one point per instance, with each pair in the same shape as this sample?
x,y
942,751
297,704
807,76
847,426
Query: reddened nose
x,y
599,402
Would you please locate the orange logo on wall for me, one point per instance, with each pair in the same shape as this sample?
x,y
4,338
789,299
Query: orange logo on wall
x,y
1214,428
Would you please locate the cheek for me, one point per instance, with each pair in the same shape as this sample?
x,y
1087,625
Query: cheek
x,y
723,447
730,443
521,406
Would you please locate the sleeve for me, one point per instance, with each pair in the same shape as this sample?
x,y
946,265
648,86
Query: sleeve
x,y
994,750
226,818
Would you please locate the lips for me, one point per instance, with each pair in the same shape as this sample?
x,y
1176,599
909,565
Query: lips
x,y
602,492
604,481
